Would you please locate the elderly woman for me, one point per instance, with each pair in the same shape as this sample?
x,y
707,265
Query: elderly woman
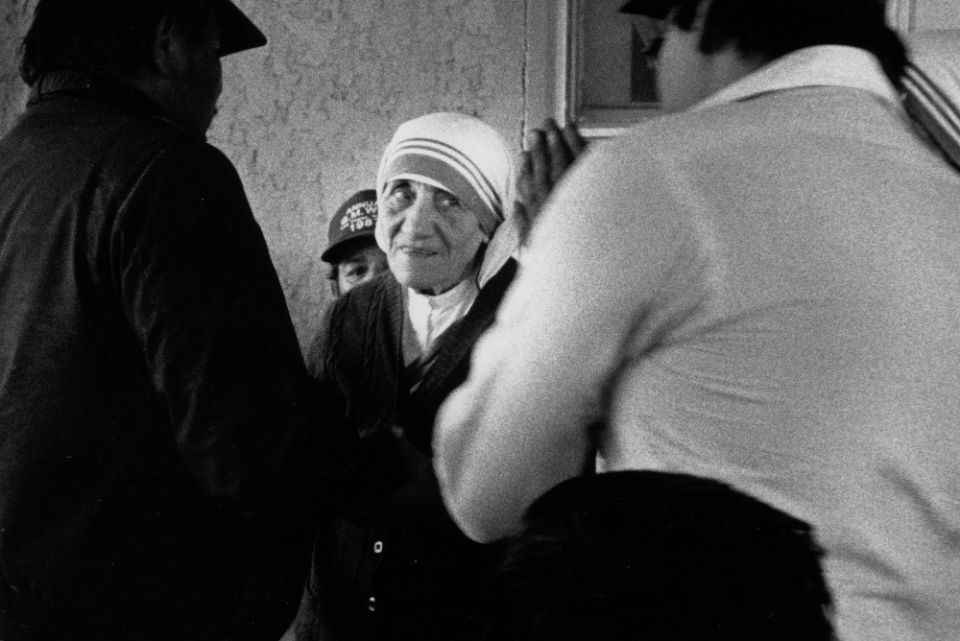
x,y
393,565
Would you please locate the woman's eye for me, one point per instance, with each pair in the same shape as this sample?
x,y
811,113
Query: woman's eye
x,y
401,193
449,201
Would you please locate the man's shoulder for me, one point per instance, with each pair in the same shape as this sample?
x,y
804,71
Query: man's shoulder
x,y
108,152
120,145
754,131
381,290
346,325
691,131
157,140
824,110
129,138
655,151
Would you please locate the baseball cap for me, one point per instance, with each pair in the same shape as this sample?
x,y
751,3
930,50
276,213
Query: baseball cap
x,y
237,31
354,220
658,9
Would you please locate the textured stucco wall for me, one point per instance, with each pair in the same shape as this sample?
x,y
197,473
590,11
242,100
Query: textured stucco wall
x,y
306,117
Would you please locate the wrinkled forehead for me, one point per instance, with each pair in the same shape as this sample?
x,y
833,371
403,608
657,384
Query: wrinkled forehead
x,y
414,178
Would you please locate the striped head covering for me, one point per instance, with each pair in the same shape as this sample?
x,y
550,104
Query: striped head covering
x,y
931,86
465,156
460,154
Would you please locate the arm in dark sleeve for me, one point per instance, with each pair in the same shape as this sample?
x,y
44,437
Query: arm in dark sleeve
x,y
195,279
382,465
368,462
318,346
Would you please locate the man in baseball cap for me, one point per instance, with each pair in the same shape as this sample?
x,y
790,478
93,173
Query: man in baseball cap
x,y
352,250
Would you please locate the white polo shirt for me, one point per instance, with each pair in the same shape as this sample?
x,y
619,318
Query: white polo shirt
x,y
764,291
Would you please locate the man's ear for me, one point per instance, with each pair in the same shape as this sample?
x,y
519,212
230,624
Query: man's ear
x,y
168,48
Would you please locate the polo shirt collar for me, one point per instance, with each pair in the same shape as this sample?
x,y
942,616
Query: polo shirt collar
x,y
819,66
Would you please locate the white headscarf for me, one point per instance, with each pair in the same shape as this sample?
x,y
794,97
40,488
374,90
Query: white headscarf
x,y
468,158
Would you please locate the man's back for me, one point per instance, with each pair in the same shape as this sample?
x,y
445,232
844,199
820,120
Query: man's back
x,y
803,345
764,293
145,352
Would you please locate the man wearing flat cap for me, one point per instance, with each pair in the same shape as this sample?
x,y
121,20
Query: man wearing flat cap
x,y
154,404
765,292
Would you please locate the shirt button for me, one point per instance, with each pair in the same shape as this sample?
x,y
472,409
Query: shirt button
x,y
378,547
372,604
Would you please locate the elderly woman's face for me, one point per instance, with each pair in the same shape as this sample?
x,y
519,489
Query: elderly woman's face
x,y
432,239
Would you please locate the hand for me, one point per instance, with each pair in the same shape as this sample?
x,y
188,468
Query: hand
x,y
550,153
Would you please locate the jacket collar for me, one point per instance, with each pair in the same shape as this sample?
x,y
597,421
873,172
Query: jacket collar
x,y
98,85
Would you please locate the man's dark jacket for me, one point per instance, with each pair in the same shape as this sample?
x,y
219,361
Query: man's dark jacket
x,y
394,566
151,385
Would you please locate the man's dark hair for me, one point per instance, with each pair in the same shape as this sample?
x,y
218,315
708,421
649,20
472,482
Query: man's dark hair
x,y
102,35
660,557
773,28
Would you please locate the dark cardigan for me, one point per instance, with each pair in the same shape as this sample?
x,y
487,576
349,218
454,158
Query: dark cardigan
x,y
394,565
